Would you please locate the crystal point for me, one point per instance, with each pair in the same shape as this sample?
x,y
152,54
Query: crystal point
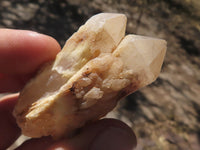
x,y
144,55
114,24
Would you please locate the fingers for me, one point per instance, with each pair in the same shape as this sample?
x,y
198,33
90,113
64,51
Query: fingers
x,y
22,52
9,130
105,134
13,83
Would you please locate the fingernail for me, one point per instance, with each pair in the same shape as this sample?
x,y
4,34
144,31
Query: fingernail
x,y
114,138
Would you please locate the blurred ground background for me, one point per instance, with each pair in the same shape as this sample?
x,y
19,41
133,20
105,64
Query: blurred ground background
x,y
164,115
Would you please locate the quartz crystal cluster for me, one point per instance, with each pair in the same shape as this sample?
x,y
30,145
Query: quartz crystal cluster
x,y
97,67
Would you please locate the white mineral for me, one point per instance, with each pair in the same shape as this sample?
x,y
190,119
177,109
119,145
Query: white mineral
x,y
97,67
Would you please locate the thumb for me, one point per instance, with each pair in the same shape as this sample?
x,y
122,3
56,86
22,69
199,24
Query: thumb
x,y
107,134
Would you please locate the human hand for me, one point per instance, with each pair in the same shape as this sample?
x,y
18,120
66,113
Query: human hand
x,y
21,55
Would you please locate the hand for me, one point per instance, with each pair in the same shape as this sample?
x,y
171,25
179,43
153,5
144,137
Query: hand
x,y
21,55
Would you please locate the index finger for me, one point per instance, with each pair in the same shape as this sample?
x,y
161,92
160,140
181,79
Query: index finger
x,y
22,52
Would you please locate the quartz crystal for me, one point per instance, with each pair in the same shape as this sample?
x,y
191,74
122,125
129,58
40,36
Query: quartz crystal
x,y
96,68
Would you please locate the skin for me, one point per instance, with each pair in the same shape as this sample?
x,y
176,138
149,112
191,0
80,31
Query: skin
x,y
22,53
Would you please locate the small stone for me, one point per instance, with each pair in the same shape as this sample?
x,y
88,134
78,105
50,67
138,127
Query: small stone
x,y
7,22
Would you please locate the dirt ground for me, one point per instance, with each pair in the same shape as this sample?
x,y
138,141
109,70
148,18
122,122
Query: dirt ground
x,y
164,115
